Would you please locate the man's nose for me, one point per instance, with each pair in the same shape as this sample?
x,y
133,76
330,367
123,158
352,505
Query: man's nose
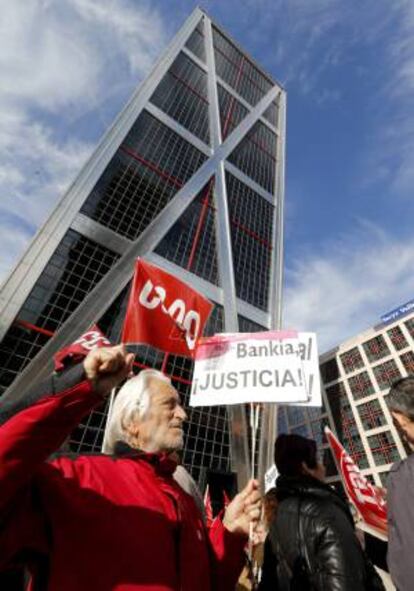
x,y
180,412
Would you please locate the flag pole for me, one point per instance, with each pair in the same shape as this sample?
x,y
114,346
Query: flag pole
x,y
108,416
110,407
164,363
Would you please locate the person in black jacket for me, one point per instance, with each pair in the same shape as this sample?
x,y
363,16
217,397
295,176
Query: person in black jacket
x,y
311,542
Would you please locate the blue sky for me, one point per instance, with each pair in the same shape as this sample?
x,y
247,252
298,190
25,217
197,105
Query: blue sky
x,y
68,66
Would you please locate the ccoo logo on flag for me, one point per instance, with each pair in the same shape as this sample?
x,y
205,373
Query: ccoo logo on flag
x,y
164,312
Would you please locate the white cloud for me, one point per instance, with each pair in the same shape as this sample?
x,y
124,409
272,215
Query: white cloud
x,y
56,53
60,61
35,166
13,240
343,290
140,32
45,61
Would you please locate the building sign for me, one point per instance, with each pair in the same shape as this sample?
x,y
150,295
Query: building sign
x,y
277,366
398,312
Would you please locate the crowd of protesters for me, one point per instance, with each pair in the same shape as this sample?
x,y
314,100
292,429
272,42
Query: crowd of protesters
x,y
312,542
132,519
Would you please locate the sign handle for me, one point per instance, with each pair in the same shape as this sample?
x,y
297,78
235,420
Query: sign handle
x,y
254,424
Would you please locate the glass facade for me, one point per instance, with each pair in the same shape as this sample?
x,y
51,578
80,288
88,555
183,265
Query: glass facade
x,y
72,272
149,168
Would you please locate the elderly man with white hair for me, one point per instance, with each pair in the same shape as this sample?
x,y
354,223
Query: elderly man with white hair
x,y
116,521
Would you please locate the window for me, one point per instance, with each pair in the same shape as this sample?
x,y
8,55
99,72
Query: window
x,y
182,94
317,428
329,462
272,113
371,414
361,385
386,374
282,426
351,360
191,242
329,371
408,361
339,405
345,424
255,155
232,112
195,42
397,337
239,73
315,413
251,224
376,348
353,444
410,326
74,269
146,172
296,415
301,430
384,478
383,448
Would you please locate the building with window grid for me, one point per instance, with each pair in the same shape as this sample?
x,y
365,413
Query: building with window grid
x,y
190,176
356,377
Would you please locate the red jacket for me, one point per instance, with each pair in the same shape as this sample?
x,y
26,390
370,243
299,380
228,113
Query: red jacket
x,y
100,523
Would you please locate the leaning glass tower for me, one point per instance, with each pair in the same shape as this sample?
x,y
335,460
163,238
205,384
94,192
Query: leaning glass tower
x,y
191,177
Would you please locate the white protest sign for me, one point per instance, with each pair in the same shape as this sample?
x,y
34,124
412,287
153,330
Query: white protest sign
x,y
253,367
270,478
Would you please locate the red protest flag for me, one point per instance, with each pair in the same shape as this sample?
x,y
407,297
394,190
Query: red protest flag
x,y
164,312
369,503
91,339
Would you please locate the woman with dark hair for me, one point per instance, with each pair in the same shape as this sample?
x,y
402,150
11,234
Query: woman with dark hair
x,y
311,542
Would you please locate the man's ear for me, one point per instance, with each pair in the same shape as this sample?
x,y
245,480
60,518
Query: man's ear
x,y
132,433
400,418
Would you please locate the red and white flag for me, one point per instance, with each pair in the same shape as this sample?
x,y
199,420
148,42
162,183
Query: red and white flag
x,y
92,339
164,312
369,503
